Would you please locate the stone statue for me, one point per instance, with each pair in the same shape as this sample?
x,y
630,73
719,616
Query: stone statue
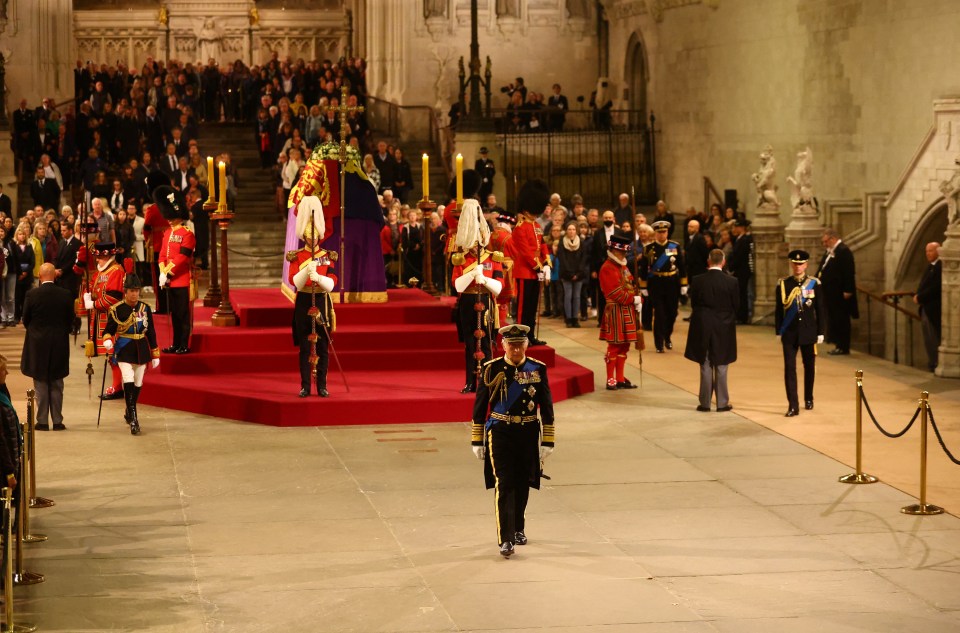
x,y
208,40
802,181
508,8
254,16
950,189
162,17
578,8
434,8
764,179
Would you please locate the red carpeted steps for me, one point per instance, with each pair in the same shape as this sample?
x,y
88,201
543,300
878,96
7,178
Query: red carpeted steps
x,y
402,361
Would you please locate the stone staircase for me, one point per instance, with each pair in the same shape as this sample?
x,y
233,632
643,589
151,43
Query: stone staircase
x,y
256,237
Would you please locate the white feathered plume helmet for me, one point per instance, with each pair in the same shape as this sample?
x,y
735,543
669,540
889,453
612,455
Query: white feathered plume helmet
x,y
309,209
472,227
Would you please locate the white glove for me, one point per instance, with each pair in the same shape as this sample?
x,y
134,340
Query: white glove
x,y
546,272
163,279
545,452
87,301
325,283
683,290
155,363
820,340
644,293
480,452
108,345
301,277
638,302
463,282
315,277
540,276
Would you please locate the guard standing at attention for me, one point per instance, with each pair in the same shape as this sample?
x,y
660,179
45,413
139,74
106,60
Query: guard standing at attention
x,y
529,267
311,272
478,282
799,324
619,324
132,339
176,265
106,291
509,435
663,279
501,241
155,226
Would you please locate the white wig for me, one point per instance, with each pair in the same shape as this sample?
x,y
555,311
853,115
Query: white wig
x,y
310,208
472,227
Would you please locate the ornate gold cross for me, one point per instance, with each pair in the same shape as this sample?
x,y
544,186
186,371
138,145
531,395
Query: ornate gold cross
x,y
344,110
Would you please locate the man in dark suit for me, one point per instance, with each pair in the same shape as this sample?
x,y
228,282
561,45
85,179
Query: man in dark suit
x,y
170,162
695,250
48,317
741,265
929,298
45,191
601,240
66,258
712,340
6,205
798,321
152,132
487,170
838,274
558,101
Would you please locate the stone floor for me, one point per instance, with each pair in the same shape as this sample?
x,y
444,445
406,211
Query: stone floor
x,y
657,518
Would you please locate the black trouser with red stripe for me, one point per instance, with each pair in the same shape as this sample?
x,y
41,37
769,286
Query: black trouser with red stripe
x,y
528,297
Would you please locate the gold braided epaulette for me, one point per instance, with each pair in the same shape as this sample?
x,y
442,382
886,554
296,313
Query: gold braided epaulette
x,y
333,255
291,256
457,259
496,256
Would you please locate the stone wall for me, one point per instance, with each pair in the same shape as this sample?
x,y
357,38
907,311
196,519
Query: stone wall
x,y
854,79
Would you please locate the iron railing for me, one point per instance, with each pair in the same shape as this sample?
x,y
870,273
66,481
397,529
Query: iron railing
x,y
891,300
598,157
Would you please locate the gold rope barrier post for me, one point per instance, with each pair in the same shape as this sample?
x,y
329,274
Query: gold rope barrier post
x,y
8,624
224,315
22,577
213,297
23,476
923,507
859,477
35,502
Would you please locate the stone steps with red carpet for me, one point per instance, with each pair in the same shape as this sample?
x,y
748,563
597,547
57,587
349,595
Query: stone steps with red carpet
x,y
402,361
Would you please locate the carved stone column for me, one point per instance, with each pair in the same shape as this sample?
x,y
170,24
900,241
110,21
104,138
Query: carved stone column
x,y
949,356
771,252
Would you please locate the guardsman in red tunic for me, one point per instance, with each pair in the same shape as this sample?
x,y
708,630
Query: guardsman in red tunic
x,y
311,272
501,241
451,215
619,325
176,265
479,283
106,291
86,266
529,267
155,225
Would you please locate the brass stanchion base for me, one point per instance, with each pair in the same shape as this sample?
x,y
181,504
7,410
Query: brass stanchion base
x,y
19,628
41,502
34,538
27,578
858,478
922,508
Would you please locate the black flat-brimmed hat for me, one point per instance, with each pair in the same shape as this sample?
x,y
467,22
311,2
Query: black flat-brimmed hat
x,y
798,256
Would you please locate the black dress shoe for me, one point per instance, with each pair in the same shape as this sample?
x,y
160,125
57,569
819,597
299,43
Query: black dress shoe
x,y
669,344
626,384
659,350
576,323
520,538
59,427
116,395
303,393
535,341
170,350
791,412
506,550
468,389
612,387
808,405
182,350
323,393
702,408
726,408
839,352
41,427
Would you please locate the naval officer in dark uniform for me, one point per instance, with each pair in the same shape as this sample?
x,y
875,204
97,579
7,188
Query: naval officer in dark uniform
x,y
509,435
799,324
663,278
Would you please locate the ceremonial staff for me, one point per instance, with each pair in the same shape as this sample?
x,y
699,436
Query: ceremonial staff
x,y
636,282
315,314
90,347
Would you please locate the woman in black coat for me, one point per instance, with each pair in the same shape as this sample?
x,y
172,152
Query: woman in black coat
x,y
573,258
402,176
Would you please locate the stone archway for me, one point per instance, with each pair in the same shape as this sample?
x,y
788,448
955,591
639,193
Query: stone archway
x,y
637,78
931,227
